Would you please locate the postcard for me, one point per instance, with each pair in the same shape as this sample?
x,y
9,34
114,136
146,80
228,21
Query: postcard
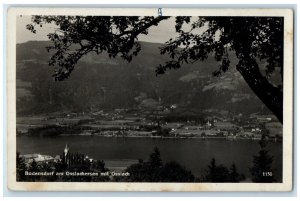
x,y
149,99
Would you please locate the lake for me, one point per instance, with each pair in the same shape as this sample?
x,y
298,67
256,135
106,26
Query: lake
x,y
194,154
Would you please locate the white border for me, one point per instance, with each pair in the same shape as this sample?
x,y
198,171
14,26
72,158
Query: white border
x,y
286,185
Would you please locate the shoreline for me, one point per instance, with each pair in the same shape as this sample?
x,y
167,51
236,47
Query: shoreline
x,y
159,137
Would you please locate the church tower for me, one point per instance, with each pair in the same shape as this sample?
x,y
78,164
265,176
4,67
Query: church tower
x,y
66,154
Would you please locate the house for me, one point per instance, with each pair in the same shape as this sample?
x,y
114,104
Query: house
x,y
37,157
57,158
225,126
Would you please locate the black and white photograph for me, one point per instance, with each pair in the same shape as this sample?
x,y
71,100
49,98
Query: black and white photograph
x,y
152,99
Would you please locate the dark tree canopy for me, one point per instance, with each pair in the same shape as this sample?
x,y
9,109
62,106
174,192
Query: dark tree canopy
x,y
250,38
20,167
262,164
77,36
220,173
155,158
155,171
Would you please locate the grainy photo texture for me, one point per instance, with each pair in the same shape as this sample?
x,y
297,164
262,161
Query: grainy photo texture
x,y
155,99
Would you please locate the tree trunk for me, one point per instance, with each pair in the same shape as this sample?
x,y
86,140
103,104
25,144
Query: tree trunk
x,y
270,95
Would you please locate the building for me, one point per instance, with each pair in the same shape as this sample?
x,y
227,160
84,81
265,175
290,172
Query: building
x,y
28,158
66,154
225,126
57,158
70,159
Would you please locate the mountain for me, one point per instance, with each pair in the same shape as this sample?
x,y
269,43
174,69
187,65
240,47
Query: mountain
x,y
99,82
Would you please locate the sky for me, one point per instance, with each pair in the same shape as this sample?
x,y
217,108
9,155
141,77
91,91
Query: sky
x,y
157,34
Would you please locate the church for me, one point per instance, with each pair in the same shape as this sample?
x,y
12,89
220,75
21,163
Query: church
x,y
70,159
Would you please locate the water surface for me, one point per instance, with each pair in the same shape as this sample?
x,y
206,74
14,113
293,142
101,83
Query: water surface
x,y
194,154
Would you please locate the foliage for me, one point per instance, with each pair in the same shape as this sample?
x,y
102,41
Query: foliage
x,y
75,163
251,38
33,167
234,176
21,168
155,160
220,173
99,166
140,172
79,35
48,167
155,171
262,164
174,172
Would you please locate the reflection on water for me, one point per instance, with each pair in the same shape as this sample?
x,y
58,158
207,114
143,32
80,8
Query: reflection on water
x,y
194,154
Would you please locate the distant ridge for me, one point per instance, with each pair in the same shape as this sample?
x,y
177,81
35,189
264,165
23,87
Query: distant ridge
x,y
99,82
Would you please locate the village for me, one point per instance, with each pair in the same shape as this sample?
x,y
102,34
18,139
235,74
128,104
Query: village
x,y
70,159
163,123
